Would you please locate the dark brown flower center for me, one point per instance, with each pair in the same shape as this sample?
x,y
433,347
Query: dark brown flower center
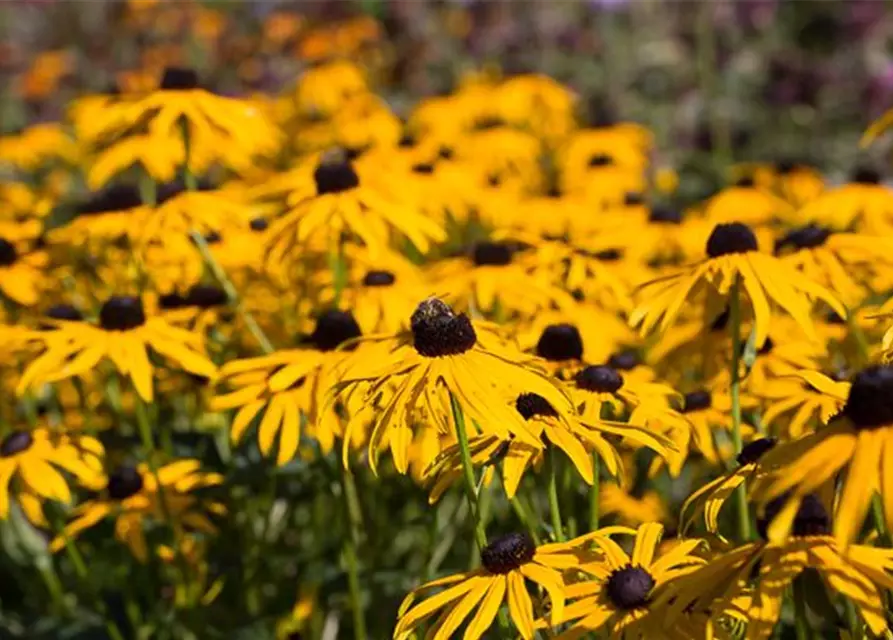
x,y
63,312
334,327
811,519
600,160
16,442
423,168
599,379
664,215
335,173
734,237
259,224
206,296
124,482
379,279
754,450
633,198
807,237
608,255
438,331
179,79
530,405
492,254
696,401
507,553
629,587
625,360
560,342
870,403
866,175
8,253
122,313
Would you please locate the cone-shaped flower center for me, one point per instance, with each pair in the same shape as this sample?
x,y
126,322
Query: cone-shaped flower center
x,y
600,160
335,173
15,442
811,519
625,360
63,312
125,481
599,379
530,405
206,296
379,279
696,401
333,327
665,215
870,403
492,254
507,553
179,79
733,237
122,313
865,175
629,587
560,342
807,237
171,300
437,330
8,253
754,450
259,224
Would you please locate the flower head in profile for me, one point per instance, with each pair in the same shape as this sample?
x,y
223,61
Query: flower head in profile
x,y
858,440
507,563
124,335
863,203
22,276
31,463
733,257
133,497
442,359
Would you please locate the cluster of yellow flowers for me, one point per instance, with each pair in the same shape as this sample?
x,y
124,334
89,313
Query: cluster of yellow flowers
x,y
486,295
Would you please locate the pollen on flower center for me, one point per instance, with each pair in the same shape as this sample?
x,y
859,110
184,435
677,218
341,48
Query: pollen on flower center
x,y
807,237
629,587
122,313
599,379
496,254
753,451
870,403
179,79
530,405
625,360
865,175
335,173
125,481
63,312
733,237
438,331
333,327
8,253
696,401
560,342
811,519
206,296
507,553
379,279
16,442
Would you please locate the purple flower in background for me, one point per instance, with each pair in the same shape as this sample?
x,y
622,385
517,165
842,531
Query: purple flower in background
x,y
608,5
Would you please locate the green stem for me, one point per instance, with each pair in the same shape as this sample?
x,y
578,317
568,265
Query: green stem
x,y
594,495
852,620
231,293
53,585
554,510
480,535
351,544
801,622
524,518
735,328
880,523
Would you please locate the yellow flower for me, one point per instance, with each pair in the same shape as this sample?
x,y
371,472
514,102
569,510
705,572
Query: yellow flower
x,y
123,335
21,274
863,204
808,395
37,146
34,458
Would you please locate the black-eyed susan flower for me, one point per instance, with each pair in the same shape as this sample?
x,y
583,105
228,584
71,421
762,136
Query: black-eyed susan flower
x,y
443,355
125,336
858,441
506,562
733,257
37,146
30,465
133,497
569,339
628,509
863,204
795,402
331,195
21,273
858,573
748,204
623,588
